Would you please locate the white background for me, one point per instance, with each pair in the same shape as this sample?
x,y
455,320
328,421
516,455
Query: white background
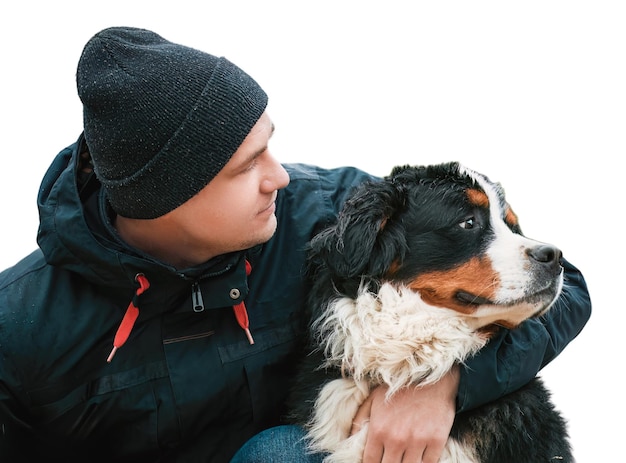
x,y
531,93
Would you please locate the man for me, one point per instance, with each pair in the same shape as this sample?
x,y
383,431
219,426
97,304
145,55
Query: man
x,y
161,318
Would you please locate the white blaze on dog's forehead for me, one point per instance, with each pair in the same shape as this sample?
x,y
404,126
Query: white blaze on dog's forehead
x,y
494,194
507,251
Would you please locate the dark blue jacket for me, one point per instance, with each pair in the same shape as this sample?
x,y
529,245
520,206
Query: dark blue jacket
x,y
187,386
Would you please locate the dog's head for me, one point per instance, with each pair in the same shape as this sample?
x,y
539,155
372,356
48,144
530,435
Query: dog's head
x,y
446,232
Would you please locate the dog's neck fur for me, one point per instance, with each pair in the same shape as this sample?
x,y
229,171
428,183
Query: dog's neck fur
x,y
393,337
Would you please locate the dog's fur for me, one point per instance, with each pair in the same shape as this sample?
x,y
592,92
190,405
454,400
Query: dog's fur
x,y
419,271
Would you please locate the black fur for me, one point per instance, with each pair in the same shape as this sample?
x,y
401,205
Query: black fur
x,y
394,220
392,224
521,427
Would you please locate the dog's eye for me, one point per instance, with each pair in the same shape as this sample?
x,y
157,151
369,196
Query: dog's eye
x,y
468,223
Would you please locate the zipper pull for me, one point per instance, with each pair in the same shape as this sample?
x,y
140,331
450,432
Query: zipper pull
x,y
196,298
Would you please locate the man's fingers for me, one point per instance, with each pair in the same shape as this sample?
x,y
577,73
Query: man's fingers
x,y
433,453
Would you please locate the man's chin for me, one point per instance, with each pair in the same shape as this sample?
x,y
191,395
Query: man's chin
x,y
265,234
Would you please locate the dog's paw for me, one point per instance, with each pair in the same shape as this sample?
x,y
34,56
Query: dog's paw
x,y
335,408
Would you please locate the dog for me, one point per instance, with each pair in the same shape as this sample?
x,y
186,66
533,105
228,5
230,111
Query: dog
x,y
419,271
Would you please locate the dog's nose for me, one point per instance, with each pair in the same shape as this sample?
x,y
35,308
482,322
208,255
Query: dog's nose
x,y
547,255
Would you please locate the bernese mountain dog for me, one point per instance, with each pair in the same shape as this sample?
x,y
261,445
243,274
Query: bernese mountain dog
x,y
418,272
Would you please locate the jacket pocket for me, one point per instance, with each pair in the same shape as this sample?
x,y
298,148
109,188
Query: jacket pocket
x,y
113,415
269,366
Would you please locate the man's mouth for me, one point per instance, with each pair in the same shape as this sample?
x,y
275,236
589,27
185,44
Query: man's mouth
x,y
271,207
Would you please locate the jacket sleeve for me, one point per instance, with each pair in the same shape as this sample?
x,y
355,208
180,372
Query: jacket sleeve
x,y
514,357
318,194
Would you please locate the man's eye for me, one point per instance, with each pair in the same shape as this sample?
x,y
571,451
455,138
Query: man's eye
x,y
252,164
468,223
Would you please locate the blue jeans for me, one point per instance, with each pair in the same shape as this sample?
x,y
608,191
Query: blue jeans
x,y
282,444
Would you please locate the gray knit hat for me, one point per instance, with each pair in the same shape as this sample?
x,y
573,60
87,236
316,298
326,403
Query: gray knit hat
x,y
160,119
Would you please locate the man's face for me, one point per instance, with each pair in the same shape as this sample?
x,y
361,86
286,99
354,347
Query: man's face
x,y
236,209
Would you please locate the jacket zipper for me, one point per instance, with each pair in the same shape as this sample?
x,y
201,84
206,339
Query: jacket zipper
x,y
196,298
241,313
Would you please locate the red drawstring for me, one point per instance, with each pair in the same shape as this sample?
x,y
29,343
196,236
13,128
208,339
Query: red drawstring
x,y
126,326
242,314
132,312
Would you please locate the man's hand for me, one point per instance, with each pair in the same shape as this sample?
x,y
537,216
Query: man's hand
x,y
413,426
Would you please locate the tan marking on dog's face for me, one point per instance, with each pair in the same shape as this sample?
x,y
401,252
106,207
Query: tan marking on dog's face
x,y
477,198
510,217
393,268
440,288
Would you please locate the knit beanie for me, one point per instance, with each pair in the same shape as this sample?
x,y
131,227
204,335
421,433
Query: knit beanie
x,y
160,119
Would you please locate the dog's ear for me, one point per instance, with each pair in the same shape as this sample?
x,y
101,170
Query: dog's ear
x,y
366,239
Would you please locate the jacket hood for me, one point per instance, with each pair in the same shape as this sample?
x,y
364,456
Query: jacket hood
x,y
74,231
